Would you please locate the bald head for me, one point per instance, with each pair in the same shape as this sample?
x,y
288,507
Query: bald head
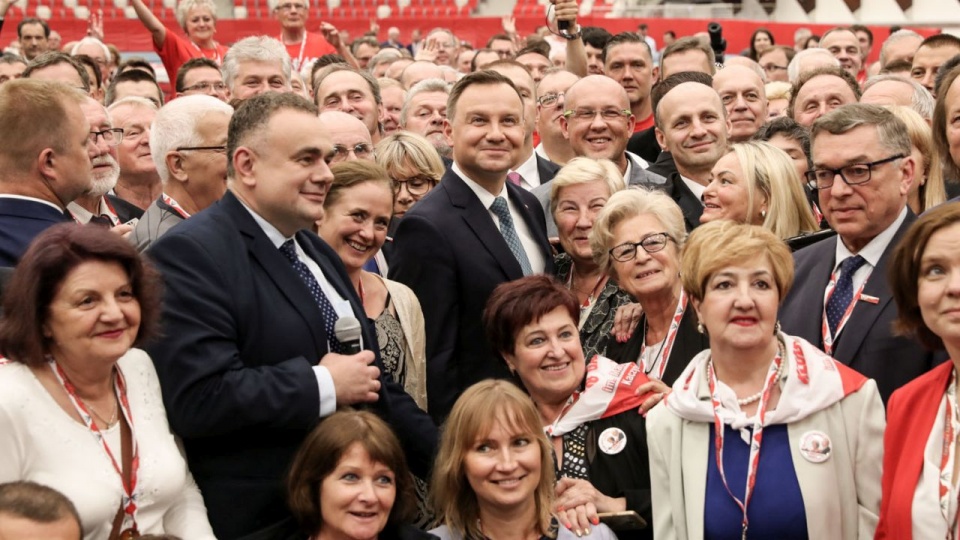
x,y
597,85
419,71
741,92
346,131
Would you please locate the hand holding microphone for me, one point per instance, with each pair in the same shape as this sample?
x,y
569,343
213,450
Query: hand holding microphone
x,y
355,380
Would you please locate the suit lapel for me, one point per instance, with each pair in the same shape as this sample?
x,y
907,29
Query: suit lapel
x,y
687,201
536,226
479,221
277,268
864,314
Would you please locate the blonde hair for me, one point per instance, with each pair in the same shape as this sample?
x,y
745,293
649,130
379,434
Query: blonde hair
x,y
584,170
184,7
778,90
719,244
628,204
472,417
932,192
770,171
405,155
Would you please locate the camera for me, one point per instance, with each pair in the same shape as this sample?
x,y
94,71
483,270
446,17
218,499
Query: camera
x,y
717,43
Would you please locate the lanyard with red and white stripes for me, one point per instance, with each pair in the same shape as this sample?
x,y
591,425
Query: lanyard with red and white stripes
x,y
755,440
828,338
951,426
664,353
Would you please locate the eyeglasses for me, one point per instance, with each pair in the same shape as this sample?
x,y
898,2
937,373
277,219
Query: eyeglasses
x,y
587,115
361,151
291,7
650,243
418,185
112,136
551,99
853,175
773,68
205,87
217,149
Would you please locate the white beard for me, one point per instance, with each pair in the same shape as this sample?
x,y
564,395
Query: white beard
x,y
103,182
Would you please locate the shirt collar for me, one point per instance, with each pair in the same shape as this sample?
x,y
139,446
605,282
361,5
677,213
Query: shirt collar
x,y
528,170
276,237
34,199
486,198
874,248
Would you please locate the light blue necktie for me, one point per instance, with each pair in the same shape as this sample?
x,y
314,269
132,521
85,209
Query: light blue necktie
x,y
509,232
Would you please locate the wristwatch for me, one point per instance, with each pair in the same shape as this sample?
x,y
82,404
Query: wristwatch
x,y
570,36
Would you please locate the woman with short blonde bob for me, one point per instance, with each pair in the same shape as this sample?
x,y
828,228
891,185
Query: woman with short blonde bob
x,y
757,183
413,165
578,194
927,189
494,434
774,437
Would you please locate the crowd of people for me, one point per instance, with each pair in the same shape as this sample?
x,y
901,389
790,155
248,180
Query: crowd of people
x,y
563,285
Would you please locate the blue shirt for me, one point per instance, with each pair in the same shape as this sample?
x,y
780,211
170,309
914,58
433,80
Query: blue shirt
x,y
776,507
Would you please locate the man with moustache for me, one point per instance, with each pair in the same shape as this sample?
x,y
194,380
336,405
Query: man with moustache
x,y
425,113
93,205
474,231
189,141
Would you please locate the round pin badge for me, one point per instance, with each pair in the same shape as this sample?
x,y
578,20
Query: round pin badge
x,y
815,446
612,441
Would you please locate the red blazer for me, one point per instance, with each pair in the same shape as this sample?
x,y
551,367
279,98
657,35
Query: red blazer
x,y
911,413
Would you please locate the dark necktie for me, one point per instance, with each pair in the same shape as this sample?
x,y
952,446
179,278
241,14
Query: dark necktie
x,y
499,207
102,220
326,308
842,292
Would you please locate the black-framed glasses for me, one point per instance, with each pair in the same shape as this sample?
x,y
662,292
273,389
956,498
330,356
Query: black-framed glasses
x,y
112,136
206,86
549,99
853,175
418,185
650,243
361,151
217,149
587,115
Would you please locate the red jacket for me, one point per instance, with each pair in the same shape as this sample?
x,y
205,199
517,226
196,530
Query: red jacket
x,y
911,413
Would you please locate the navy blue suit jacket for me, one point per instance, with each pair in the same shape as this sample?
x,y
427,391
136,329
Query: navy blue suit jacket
x,y
867,342
20,222
242,333
450,252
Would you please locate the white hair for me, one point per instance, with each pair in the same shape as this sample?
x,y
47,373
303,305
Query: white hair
x,y
426,85
133,101
921,101
184,7
893,38
256,49
793,69
272,4
176,125
91,40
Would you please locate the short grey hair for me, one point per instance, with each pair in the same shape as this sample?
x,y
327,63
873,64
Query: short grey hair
x,y
584,170
921,101
892,132
176,125
133,101
254,49
793,69
91,40
184,7
893,38
426,85
628,204
272,4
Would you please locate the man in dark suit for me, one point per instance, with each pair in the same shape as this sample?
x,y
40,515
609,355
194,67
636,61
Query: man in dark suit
x,y
841,300
474,231
44,160
691,126
250,362
530,170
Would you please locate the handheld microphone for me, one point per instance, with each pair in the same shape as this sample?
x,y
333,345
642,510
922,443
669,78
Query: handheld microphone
x,y
563,26
347,330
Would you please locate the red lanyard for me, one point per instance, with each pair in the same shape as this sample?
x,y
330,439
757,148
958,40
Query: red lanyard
x,y
216,52
755,441
667,346
600,284
176,206
948,458
828,338
130,495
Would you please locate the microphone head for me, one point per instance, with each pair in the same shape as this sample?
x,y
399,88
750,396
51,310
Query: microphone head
x,y
347,329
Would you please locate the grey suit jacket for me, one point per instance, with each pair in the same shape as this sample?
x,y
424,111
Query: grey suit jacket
x,y
638,177
155,222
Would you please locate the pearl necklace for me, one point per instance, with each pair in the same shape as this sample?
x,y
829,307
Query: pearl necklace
x,y
756,397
